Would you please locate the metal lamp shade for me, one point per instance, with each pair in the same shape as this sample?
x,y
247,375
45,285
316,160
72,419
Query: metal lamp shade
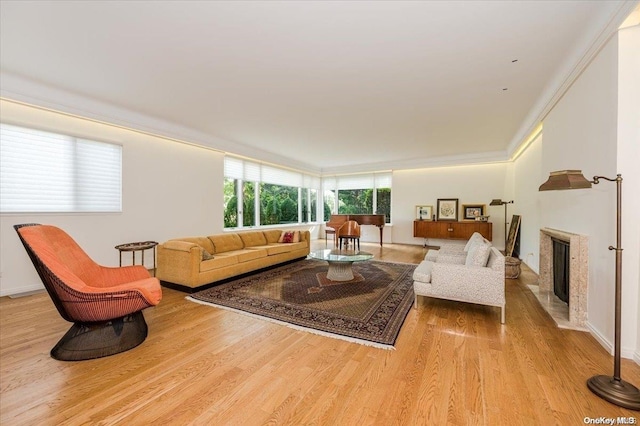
x,y
565,179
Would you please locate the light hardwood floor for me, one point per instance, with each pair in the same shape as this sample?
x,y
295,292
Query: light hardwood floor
x,y
453,364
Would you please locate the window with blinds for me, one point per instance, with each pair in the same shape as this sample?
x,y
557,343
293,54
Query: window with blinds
x,y
48,172
258,194
358,194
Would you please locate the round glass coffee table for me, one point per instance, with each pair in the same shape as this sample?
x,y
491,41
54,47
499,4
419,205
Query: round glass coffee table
x,y
340,262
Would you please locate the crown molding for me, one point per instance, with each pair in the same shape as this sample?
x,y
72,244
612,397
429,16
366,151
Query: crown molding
x,y
25,91
424,163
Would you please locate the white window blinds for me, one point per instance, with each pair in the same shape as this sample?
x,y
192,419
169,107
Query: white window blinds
x,y
48,172
359,181
236,168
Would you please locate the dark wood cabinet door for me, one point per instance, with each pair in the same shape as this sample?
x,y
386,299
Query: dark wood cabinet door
x,y
451,230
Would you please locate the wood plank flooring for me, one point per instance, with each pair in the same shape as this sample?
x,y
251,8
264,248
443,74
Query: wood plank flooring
x,y
454,364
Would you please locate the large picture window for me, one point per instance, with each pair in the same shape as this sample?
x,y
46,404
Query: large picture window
x,y
270,195
358,194
49,172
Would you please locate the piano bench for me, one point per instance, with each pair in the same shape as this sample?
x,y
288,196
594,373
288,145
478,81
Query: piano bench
x,y
328,231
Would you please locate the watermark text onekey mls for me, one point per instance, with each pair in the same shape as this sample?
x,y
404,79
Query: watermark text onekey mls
x,y
610,420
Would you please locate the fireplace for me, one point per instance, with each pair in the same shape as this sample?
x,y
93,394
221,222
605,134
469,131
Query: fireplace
x,y
571,313
561,269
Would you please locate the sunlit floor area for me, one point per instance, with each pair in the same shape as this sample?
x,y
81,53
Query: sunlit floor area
x,y
453,363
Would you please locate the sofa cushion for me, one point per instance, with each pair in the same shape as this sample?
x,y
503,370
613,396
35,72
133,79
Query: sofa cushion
x,y
478,255
285,248
226,242
218,262
476,238
253,238
289,237
273,249
422,272
245,255
272,235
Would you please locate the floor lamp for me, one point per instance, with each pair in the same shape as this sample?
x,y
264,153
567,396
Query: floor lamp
x,y
499,202
610,388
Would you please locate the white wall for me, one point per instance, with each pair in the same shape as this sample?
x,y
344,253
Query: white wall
x,y
169,190
477,184
581,132
628,161
527,177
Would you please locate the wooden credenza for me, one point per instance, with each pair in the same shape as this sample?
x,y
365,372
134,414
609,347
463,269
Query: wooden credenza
x,y
451,230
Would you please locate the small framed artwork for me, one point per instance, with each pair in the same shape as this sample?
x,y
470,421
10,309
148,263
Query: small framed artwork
x,y
424,212
473,211
447,209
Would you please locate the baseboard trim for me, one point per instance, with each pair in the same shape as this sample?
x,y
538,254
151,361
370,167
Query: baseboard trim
x,y
23,291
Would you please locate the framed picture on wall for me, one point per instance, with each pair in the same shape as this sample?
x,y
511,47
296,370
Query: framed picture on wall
x,y
447,209
424,212
473,211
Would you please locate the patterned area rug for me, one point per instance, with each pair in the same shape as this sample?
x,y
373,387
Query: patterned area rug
x,y
369,309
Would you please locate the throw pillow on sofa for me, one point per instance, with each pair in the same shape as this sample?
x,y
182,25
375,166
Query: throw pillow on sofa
x,y
206,255
478,255
289,237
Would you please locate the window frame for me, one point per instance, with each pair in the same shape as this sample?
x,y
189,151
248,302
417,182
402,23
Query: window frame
x,y
245,170
374,181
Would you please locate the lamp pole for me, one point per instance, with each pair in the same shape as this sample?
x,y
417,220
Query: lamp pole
x,y
613,388
610,388
505,223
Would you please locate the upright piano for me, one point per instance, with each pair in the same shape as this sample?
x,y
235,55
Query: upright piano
x,y
337,220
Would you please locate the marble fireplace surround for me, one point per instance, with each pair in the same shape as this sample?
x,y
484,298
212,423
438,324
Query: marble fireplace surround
x,y
576,317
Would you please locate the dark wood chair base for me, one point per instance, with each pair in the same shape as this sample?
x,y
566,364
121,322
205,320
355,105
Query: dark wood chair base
x,y
99,339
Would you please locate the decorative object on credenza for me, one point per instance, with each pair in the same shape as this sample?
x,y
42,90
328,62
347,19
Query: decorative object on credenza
x,y
610,388
424,212
512,236
447,209
499,202
473,211
482,219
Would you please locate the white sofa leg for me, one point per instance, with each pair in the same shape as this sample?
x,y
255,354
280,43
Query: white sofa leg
x,y
415,302
502,314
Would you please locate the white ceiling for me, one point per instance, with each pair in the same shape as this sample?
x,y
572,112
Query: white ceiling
x,y
330,86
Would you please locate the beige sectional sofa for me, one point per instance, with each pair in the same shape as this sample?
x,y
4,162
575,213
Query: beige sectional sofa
x,y
189,263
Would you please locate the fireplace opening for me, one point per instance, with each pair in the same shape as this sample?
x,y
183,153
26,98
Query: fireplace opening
x,y
561,269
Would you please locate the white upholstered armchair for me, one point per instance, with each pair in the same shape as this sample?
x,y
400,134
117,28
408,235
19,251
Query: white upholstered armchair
x,y
480,284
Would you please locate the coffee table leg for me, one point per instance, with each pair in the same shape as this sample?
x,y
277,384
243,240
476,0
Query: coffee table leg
x,y
340,271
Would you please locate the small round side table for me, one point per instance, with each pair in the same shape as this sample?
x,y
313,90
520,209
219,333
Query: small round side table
x,y
141,247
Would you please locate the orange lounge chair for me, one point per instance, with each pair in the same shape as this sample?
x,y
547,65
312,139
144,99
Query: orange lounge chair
x,y
105,304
